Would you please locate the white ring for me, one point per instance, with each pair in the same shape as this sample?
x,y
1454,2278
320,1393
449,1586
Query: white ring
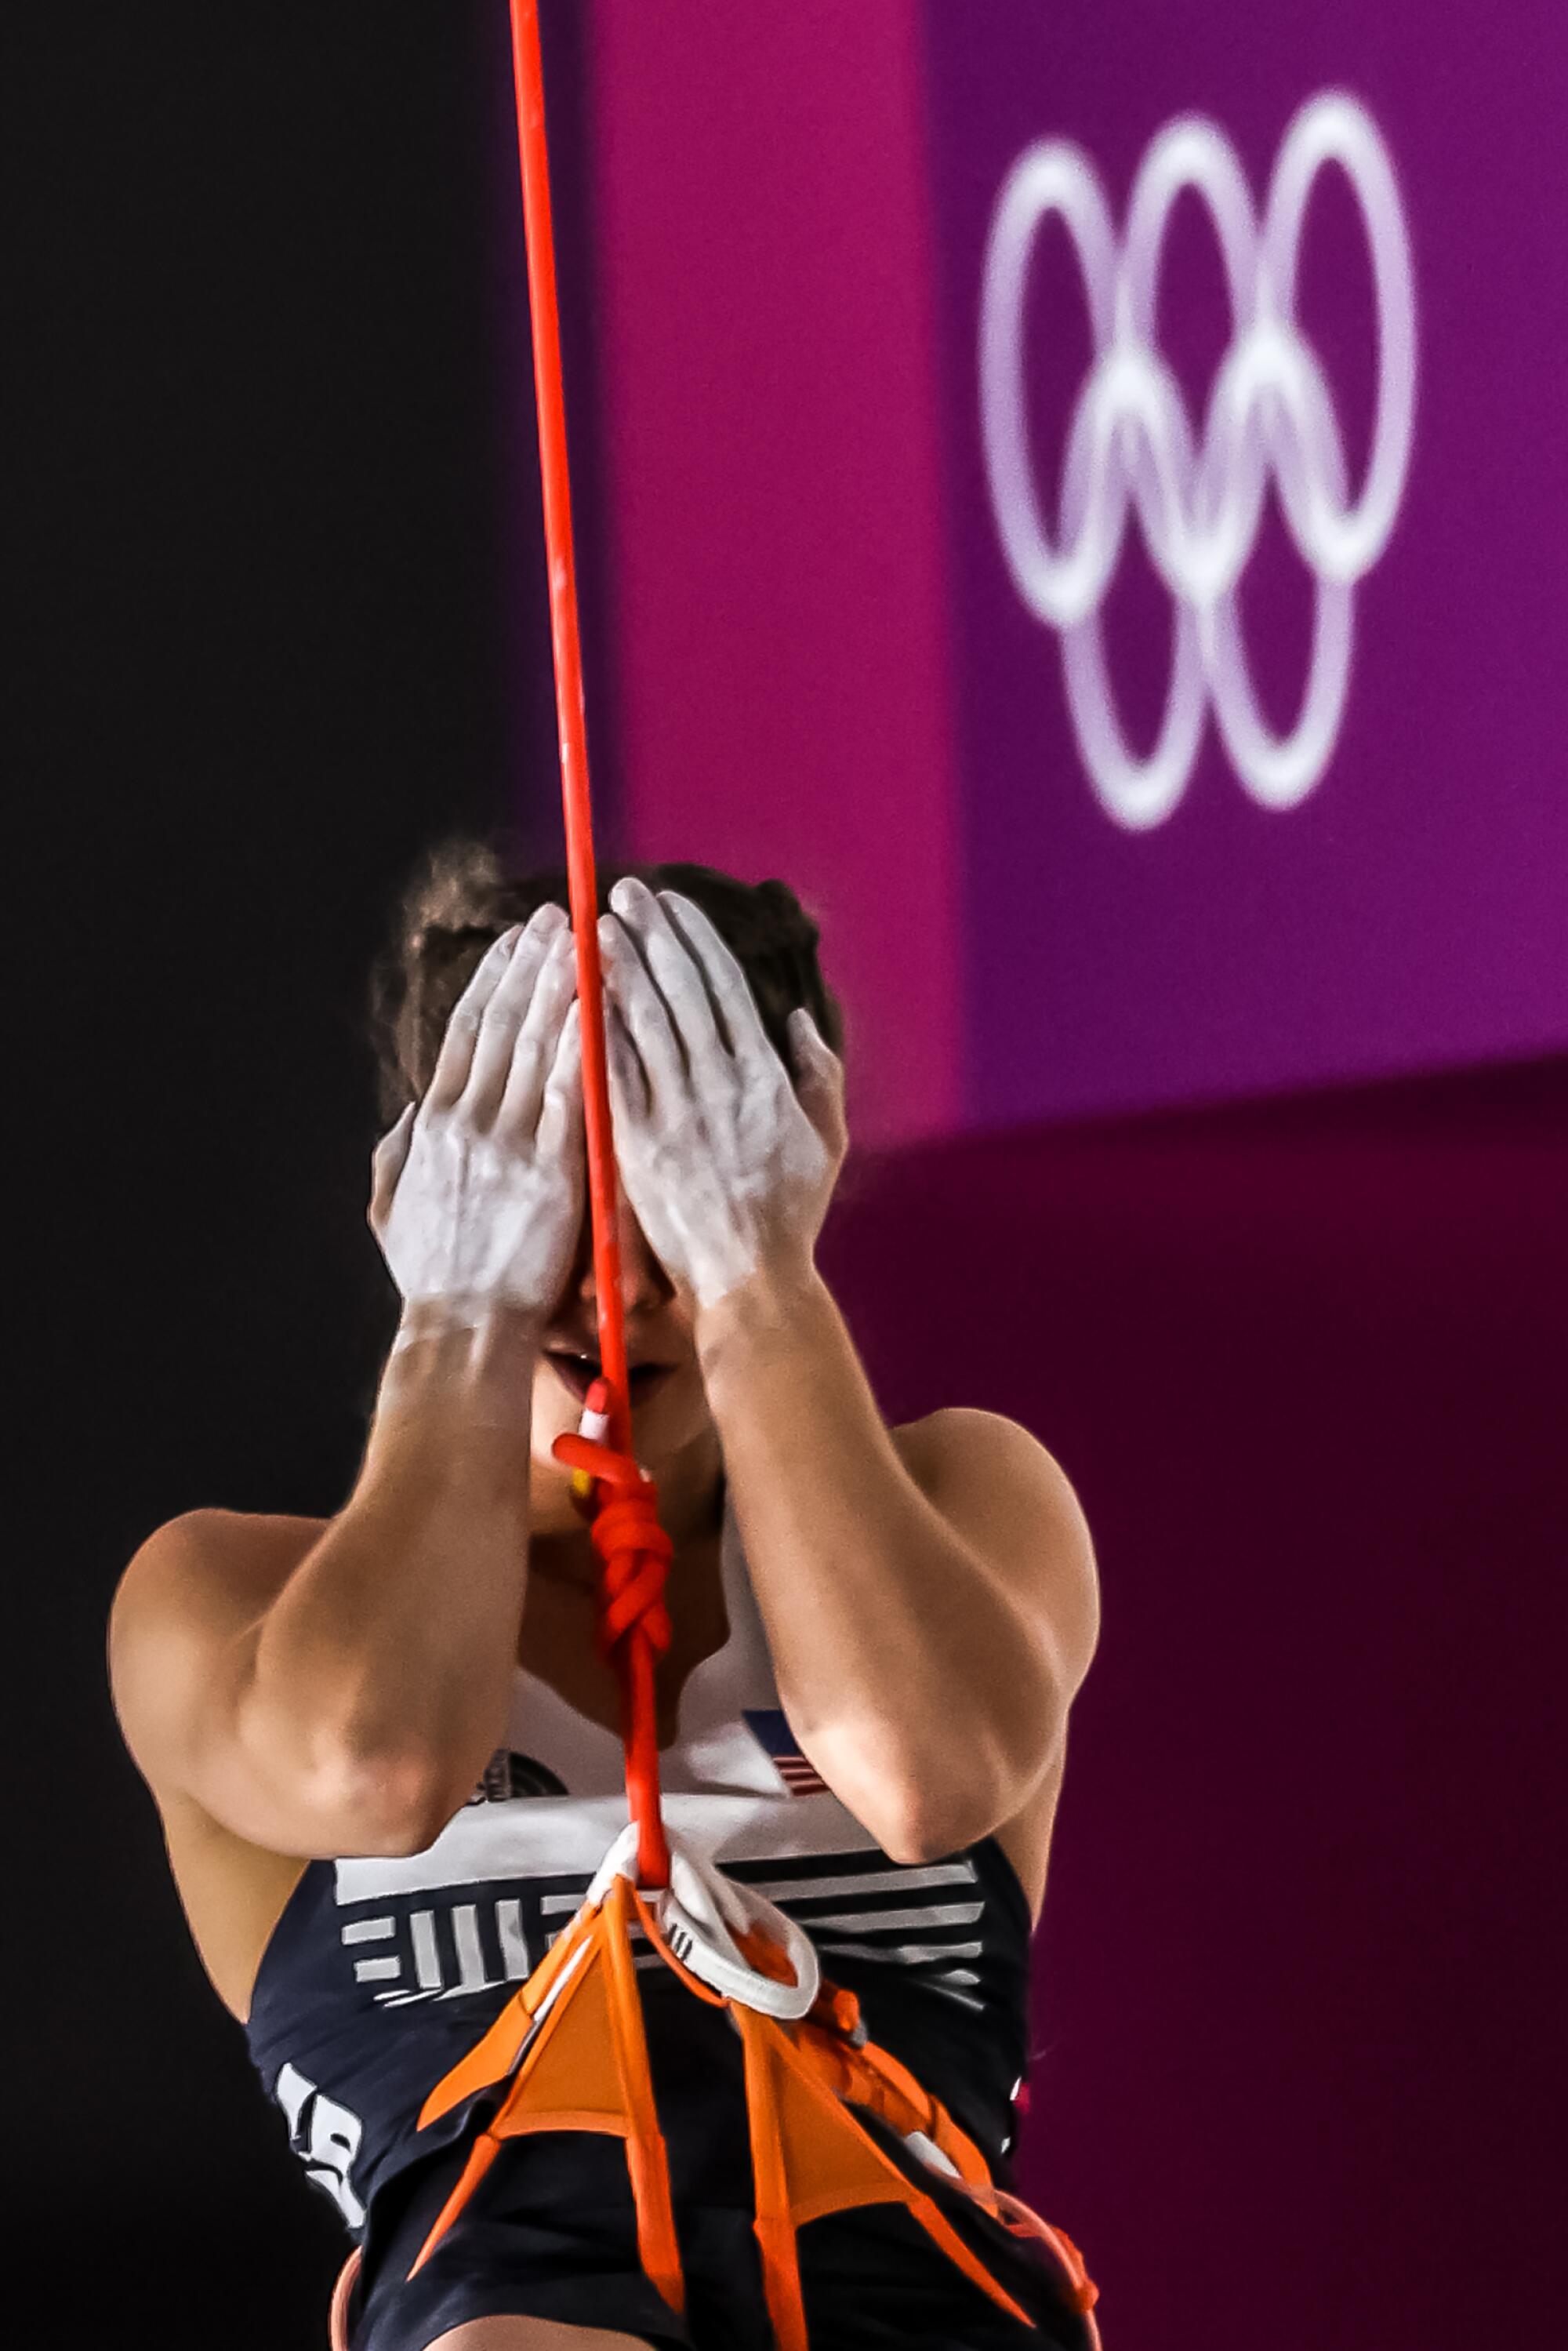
x,y
696,1912
700,1912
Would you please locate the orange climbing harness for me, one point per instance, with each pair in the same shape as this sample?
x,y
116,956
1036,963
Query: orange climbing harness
x,y
571,2044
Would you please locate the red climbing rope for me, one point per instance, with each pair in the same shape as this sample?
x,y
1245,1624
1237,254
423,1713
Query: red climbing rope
x,y
569,2045
633,1547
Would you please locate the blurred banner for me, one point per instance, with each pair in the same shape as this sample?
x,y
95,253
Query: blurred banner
x,y
1088,507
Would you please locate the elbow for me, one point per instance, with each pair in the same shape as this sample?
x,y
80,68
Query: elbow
x,y
922,1810
921,1824
925,1803
910,1841
397,1834
391,1805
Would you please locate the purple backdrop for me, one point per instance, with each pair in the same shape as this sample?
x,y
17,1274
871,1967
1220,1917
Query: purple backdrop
x,y
1301,2063
1408,910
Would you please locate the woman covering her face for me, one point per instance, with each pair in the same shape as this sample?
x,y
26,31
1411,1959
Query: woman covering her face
x,y
385,1746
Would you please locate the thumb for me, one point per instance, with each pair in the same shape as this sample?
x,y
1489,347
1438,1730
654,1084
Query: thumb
x,y
819,1078
387,1164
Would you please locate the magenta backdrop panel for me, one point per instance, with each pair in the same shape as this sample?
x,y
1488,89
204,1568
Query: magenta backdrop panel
x,y
1231,918
1301,2063
769,420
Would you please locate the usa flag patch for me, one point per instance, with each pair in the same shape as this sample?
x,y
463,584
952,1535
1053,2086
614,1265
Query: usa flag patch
x,y
773,1735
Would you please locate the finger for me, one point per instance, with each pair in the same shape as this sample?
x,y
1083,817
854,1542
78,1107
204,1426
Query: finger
x,y
456,1056
388,1161
648,1022
818,1079
630,1095
540,948
749,1042
558,1135
680,978
535,1041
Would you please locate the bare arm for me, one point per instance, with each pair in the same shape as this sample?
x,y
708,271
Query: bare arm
x,y
340,1712
351,1705
390,1649
930,1600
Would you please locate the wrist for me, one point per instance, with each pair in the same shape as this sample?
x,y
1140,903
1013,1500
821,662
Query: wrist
x,y
481,1324
770,1312
467,1362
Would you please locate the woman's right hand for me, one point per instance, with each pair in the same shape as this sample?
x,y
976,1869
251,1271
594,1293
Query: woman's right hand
x,y
477,1191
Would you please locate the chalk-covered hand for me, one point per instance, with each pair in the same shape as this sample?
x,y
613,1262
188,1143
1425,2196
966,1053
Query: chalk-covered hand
x,y
477,1192
728,1165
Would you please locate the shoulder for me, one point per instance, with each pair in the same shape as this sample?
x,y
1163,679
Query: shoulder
x,y
193,1585
217,1562
962,1450
1007,1495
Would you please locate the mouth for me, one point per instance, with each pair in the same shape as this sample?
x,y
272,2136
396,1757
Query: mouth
x,y
578,1372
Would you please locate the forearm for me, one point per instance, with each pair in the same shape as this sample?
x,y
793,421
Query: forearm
x,y
389,1650
906,1667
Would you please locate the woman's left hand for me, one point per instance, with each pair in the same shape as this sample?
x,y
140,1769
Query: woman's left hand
x,y
728,1166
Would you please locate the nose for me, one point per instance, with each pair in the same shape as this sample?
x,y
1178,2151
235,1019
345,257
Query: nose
x,y
644,1284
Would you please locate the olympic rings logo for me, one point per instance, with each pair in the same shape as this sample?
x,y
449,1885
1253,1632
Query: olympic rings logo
x,y
1131,448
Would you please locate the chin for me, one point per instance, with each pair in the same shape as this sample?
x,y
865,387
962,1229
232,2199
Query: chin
x,y
669,1421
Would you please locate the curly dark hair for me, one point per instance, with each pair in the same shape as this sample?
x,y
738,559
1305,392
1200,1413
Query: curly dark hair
x,y
462,897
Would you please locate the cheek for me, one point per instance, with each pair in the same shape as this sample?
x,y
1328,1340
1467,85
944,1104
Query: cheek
x,y
689,1399
675,1417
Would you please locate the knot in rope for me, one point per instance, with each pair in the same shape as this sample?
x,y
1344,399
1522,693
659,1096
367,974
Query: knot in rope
x,y
634,1549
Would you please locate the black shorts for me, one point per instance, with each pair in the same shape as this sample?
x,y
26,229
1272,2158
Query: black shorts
x,y
551,2233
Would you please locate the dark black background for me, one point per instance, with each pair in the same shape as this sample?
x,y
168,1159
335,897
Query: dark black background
x,y
271,526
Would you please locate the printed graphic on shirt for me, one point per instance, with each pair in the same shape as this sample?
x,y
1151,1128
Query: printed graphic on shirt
x,y
325,2137
447,1945
509,1774
772,1733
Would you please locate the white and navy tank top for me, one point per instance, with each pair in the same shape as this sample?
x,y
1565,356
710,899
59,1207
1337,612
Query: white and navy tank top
x,y
383,1971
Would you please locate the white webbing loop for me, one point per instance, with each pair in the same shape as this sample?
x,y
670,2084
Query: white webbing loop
x,y
700,1912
